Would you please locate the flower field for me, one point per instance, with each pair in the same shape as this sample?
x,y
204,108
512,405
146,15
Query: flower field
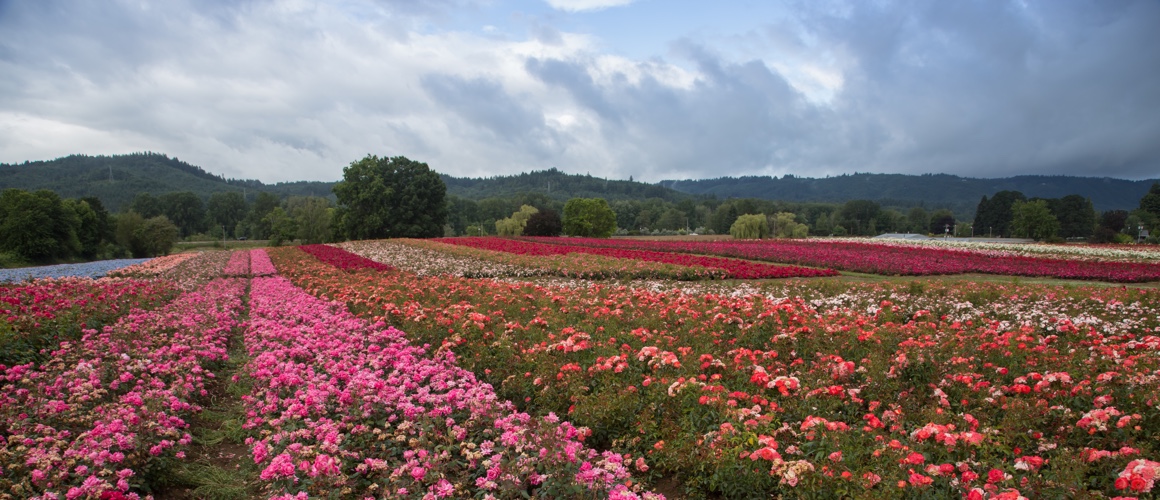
x,y
734,268
889,258
87,422
385,373
976,391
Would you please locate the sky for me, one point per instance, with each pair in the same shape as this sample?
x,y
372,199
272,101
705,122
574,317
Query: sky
x,y
286,90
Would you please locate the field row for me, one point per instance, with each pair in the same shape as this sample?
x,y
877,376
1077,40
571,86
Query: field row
x,y
886,258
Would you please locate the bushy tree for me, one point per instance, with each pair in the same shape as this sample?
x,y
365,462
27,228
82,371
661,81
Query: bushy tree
x,y
256,221
157,236
390,198
226,209
785,225
544,223
147,205
1077,217
38,226
942,221
282,227
589,217
859,217
995,215
185,210
1033,219
146,237
723,218
918,220
750,227
514,225
313,216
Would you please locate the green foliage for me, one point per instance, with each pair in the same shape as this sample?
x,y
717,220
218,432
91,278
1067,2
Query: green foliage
x,y
390,198
259,227
146,204
1150,202
146,237
750,227
514,225
282,227
313,216
589,217
994,216
544,223
859,217
38,226
185,210
785,225
942,221
918,220
1033,219
226,210
1077,217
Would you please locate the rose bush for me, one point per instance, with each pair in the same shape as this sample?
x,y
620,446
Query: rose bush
x,y
350,409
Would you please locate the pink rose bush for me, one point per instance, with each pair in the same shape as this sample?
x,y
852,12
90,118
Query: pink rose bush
x,y
86,422
40,314
346,407
260,264
239,263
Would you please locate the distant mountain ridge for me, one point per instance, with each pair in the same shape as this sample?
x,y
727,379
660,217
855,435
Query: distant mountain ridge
x,y
961,194
117,179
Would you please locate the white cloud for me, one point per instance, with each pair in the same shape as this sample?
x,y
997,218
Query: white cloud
x,y
586,5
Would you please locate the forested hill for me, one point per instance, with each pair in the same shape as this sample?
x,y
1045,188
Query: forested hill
x,y
952,191
117,179
558,185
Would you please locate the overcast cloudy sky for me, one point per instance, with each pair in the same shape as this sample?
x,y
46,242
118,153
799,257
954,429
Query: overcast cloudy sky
x,y
656,89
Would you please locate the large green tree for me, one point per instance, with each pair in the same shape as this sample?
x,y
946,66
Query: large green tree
x,y
185,210
859,217
38,226
589,217
226,209
314,218
750,227
993,217
1033,219
1077,217
390,198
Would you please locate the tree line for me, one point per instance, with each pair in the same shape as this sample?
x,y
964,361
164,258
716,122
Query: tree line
x,y
38,227
1072,217
398,197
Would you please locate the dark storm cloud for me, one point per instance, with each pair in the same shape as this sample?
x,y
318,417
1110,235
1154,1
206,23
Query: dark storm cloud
x,y
975,88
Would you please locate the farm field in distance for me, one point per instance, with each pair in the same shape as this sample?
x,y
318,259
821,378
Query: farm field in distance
x,y
589,368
